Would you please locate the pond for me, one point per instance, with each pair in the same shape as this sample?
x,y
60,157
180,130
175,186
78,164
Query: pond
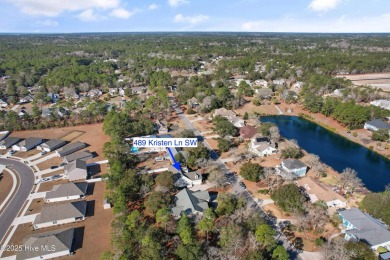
x,y
335,150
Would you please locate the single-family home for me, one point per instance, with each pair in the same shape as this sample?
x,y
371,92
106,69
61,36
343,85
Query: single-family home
x,y
339,92
46,112
3,134
60,213
191,202
248,131
3,104
161,127
261,146
67,191
121,92
94,93
81,155
264,93
193,102
291,168
360,226
297,86
138,90
54,97
51,145
70,148
26,99
376,124
27,144
113,91
288,94
320,192
238,81
278,81
382,103
237,121
224,113
76,170
187,179
47,245
261,82
8,142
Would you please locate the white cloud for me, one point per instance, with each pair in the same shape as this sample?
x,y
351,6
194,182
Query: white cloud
x,y
88,16
53,8
193,20
153,7
323,5
48,23
176,3
343,24
122,13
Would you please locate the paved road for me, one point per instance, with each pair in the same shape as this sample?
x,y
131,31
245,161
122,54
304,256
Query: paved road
x,y
26,177
238,190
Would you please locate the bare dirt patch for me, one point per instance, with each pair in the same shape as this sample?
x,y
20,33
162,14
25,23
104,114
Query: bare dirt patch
x,y
49,163
90,134
27,154
35,206
378,80
5,185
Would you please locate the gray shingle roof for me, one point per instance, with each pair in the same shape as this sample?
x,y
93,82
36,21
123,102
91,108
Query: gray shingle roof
x,y
67,189
378,123
187,200
82,155
57,212
54,143
31,141
293,164
75,164
58,240
70,148
9,141
367,228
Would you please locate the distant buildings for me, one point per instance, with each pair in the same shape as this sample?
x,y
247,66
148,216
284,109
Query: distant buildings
x,y
382,103
70,148
27,144
8,142
376,124
51,145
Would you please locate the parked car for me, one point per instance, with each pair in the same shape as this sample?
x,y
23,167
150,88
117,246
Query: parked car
x,y
56,177
62,164
54,167
11,151
44,180
43,152
242,185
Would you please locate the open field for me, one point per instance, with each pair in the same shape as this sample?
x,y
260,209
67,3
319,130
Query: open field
x,y
378,80
87,244
90,134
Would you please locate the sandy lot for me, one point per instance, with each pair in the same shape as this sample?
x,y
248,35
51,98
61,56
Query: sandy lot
x,y
378,80
87,245
90,134
48,163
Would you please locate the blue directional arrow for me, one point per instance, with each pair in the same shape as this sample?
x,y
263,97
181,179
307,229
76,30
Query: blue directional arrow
x,y
175,164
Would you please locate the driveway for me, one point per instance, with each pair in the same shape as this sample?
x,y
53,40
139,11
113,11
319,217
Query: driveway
x,y
26,177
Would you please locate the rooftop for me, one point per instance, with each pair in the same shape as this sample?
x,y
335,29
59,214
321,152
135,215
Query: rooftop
x,y
56,212
193,201
293,164
320,191
67,189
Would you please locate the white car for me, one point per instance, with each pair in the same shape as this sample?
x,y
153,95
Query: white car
x,y
11,151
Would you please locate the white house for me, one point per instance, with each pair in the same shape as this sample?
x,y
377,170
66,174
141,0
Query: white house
x,y
261,82
237,121
188,179
76,170
58,214
382,103
278,81
94,93
261,146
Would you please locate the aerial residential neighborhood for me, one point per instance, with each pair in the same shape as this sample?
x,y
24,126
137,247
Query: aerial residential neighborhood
x,y
181,129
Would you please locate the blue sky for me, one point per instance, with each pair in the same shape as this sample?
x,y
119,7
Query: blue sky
x,y
194,15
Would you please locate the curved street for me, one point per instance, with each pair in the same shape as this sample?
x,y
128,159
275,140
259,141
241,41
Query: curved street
x,y
26,178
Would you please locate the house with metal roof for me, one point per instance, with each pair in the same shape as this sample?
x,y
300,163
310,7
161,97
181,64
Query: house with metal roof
x,y
376,124
47,245
27,144
291,168
81,155
76,170
191,202
51,145
8,142
58,214
67,191
361,226
70,148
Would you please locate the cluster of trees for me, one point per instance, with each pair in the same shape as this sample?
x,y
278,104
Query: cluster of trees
x,y
270,130
223,127
252,171
378,205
